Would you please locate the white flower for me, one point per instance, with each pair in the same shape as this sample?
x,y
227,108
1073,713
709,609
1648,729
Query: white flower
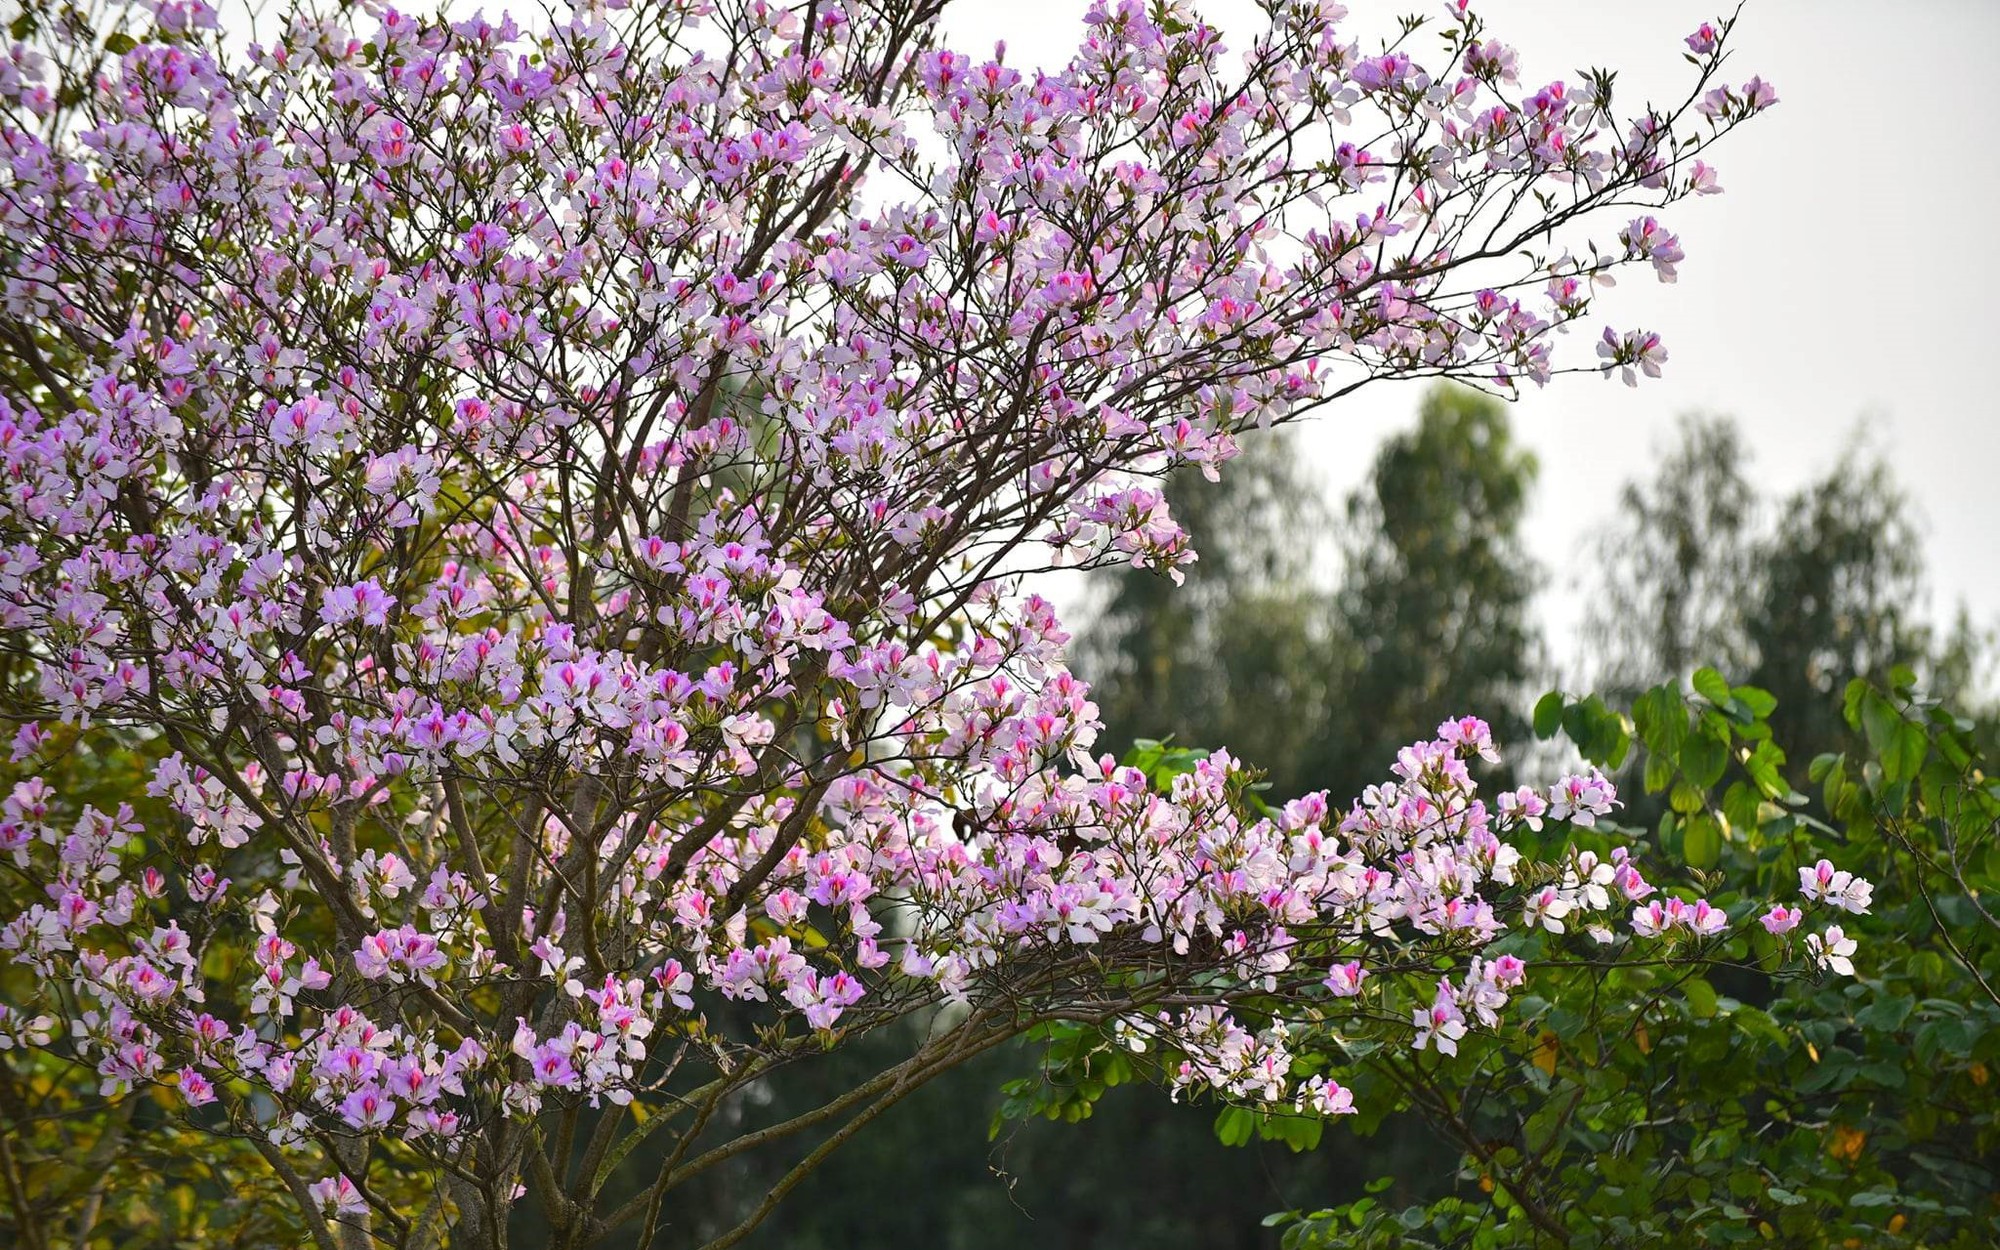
x,y
1832,952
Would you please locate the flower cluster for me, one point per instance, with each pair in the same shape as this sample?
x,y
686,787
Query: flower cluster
x,y
1824,885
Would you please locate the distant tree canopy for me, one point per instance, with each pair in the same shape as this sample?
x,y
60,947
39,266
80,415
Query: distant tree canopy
x,y
1319,685
1432,610
1215,659
1670,568
1796,595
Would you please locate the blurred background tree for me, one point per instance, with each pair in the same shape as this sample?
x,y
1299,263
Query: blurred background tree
x,y
1236,655
1432,614
1797,595
1665,578
1318,684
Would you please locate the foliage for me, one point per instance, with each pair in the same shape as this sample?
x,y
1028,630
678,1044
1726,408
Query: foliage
x,y
543,509
1729,1108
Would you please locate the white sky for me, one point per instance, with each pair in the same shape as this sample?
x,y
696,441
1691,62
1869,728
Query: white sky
x,y
1847,271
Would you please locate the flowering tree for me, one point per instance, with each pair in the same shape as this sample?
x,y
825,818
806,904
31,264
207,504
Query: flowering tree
x,y
545,509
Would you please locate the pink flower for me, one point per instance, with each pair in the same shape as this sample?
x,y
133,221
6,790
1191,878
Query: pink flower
x,y
1546,908
1781,919
365,602
368,1108
1646,239
1322,1096
1491,59
1704,40
1344,980
1650,920
196,1088
1471,736
337,1197
675,982
1824,883
1582,799
1388,72
1523,805
1630,883
786,906
1635,352
1442,1024
1705,920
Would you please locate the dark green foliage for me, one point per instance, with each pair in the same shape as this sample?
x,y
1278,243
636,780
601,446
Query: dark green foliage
x,y
1735,1108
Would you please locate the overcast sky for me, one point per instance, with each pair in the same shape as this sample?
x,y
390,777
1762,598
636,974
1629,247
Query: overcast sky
x,y
1847,273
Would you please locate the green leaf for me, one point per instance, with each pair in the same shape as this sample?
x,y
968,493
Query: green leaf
x,y
1548,714
119,43
1662,720
1760,702
1702,843
1703,757
1878,720
1850,702
1764,767
1684,798
1905,756
1712,686
1659,772
1702,998
1739,805
1602,735
1235,1126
